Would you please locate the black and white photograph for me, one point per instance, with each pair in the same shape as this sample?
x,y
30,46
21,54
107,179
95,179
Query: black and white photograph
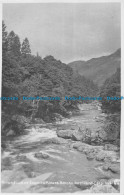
x,y
61,97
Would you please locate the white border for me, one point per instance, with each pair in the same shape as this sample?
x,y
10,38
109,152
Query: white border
x,y
0,77
61,1
122,103
122,68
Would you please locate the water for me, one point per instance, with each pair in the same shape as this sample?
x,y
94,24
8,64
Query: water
x,y
64,165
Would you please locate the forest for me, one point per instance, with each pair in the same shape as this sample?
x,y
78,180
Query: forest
x,y
24,74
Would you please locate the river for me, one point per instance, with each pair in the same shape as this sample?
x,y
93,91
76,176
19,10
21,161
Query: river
x,y
62,167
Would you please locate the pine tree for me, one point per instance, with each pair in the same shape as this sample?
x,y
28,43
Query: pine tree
x,y
25,49
4,38
14,45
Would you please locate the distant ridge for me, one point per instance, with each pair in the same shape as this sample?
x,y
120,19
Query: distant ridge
x,y
98,69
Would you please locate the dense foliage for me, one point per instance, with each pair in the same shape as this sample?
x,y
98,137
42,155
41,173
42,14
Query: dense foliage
x,y
24,74
112,88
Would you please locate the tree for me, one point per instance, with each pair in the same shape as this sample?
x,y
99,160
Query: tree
x,y
112,88
4,38
25,49
14,44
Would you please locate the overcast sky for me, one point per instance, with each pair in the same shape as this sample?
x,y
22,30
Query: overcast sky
x,y
67,31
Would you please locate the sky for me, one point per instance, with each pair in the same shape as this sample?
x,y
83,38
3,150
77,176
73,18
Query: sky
x,y
68,31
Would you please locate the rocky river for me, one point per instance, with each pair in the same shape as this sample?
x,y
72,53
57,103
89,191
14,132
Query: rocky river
x,y
64,156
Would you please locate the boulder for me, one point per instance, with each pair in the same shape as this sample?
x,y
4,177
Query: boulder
x,y
78,136
65,134
107,156
115,183
55,140
90,156
105,167
10,133
41,155
38,121
58,140
111,147
77,145
115,168
101,156
102,135
112,130
89,150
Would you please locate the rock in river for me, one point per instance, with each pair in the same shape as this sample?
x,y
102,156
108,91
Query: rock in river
x,y
111,147
115,168
107,156
41,155
90,156
54,140
65,134
78,136
10,133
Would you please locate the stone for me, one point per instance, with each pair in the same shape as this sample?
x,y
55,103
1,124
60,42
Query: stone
x,y
65,134
90,156
81,148
41,155
105,167
110,147
101,156
115,183
54,140
78,136
107,156
112,130
58,140
115,168
103,135
77,145
96,152
10,133
86,148
38,121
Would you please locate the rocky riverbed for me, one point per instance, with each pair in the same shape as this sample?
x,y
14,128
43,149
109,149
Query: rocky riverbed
x,y
74,154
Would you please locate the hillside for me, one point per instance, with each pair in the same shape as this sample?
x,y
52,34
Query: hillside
x,y
26,75
98,69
